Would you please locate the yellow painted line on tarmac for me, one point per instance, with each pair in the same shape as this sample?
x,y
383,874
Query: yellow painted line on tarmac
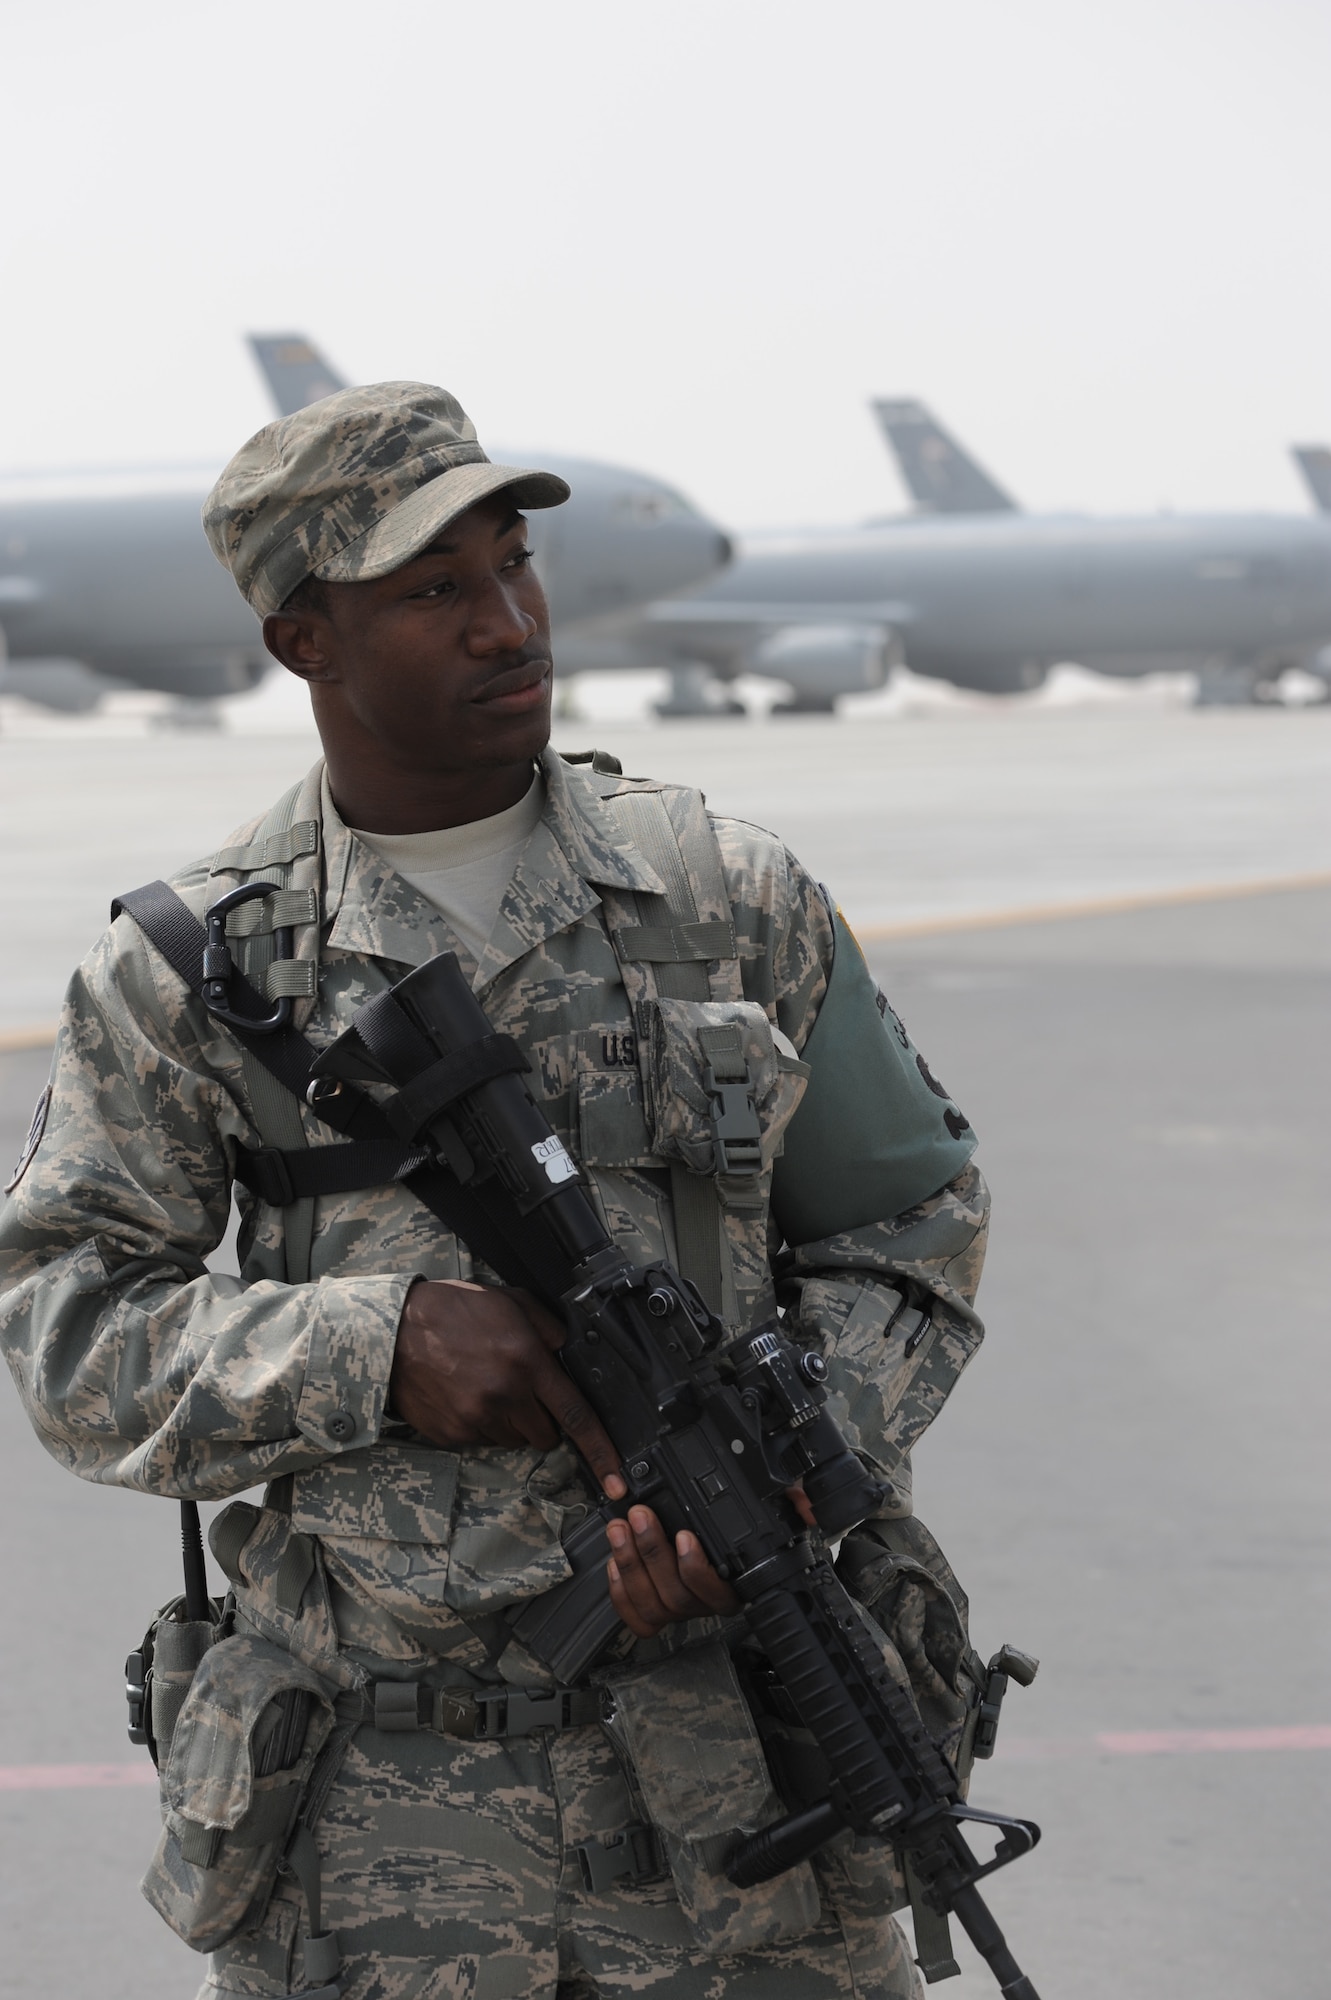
x,y
13,1040
1094,906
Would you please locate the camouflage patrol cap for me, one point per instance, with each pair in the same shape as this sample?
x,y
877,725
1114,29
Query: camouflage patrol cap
x,y
352,487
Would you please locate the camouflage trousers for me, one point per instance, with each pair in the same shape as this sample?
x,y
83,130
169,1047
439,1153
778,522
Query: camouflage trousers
x,y
448,1874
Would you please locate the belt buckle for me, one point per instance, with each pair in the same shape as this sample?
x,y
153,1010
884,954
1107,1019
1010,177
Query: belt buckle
x,y
517,1711
633,1856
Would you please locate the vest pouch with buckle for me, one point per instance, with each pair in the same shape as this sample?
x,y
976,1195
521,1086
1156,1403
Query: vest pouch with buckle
x,y
719,1097
699,1768
242,1751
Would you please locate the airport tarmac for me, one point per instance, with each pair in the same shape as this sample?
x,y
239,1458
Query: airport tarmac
x,y
940,814
1130,1481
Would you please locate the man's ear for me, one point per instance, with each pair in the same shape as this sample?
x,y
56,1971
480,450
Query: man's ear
x,y
299,639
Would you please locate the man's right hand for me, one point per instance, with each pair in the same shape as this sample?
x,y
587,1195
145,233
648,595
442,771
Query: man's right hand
x,y
476,1365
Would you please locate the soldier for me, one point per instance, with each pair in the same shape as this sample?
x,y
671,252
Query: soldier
x,y
406,1413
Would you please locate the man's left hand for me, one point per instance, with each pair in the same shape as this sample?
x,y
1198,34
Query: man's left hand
x,y
654,1582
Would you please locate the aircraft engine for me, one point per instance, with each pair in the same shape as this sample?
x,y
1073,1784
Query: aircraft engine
x,y
202,674
64,685
822,662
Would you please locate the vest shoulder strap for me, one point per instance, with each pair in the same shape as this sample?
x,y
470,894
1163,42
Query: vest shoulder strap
x,y
282,848
692,926
671,952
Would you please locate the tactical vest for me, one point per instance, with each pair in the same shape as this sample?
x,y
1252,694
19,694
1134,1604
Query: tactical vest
x,y
719,1090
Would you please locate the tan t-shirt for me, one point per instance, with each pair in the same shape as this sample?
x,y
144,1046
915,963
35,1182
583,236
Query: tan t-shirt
x,y
464,870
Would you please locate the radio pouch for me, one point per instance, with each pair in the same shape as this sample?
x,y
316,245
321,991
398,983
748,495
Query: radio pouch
x,y
178,1645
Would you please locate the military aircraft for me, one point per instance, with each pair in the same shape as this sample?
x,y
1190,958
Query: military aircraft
x,y
971,590
107,580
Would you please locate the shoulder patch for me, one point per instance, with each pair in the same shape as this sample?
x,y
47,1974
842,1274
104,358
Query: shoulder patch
x,y
33,1140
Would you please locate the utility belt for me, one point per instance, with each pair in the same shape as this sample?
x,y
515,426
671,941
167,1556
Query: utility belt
x,y
158,1676
485,1715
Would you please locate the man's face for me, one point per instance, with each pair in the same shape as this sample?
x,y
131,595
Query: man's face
x,y
445,664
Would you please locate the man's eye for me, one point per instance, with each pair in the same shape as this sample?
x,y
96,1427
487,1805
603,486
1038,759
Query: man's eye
x,y
436,589
520,558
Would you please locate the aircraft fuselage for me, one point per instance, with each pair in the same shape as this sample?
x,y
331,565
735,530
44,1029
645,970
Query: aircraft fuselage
x,y
991,601
116,573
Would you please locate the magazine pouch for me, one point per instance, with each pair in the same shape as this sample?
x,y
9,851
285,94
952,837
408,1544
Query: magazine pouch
x,y
242,1750
896,1570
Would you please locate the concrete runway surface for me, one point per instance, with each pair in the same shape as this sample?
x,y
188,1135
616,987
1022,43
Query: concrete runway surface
x,y
942,814
1131,1479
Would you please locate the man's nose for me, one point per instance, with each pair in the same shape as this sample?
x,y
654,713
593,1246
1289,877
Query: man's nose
x,y
498,620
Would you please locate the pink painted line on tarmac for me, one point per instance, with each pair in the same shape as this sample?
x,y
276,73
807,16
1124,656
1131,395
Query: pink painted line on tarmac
x,y
74,1777
1181,1742
1166,1742
1017,1749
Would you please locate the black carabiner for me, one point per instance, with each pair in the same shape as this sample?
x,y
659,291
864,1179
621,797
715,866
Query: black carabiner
x,y
219,966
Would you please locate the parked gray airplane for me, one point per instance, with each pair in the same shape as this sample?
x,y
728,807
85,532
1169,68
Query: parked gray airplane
x,y
107,580
975,592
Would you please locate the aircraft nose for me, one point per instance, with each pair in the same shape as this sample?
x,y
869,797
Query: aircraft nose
x,y
689,549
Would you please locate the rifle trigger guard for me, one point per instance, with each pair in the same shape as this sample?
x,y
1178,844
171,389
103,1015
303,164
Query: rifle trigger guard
x,y
1019,1837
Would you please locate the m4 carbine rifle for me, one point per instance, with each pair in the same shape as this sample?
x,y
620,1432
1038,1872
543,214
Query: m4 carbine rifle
x,y
710,1435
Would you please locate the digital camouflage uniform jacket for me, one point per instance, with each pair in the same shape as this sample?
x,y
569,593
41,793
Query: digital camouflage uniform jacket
x,y
141,1368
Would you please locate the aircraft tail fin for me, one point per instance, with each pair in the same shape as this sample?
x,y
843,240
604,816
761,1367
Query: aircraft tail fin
x,y
942,478
1314,462
294,369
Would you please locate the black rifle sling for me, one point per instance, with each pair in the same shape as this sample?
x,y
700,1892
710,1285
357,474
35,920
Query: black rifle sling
x,y
373,1156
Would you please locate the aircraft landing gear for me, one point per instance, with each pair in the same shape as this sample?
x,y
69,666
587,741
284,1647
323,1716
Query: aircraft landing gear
x,y
695,691
188,712
805,704
1235,684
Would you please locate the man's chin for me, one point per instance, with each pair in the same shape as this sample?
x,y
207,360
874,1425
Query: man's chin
x,y
503,737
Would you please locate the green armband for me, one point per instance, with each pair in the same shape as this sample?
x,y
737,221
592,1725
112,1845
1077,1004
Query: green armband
x,y
874,1132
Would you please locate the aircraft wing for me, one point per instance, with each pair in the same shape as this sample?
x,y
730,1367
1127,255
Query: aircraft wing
x,y
821,651
941,476
1314,462
294,369
766,614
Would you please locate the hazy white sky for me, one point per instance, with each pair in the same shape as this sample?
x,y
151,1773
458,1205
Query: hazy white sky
x,y
692,237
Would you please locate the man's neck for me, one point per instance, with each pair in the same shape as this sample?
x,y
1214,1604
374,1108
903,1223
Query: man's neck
x,y
397,801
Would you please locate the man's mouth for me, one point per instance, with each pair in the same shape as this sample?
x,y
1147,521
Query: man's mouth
x,y
516,688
